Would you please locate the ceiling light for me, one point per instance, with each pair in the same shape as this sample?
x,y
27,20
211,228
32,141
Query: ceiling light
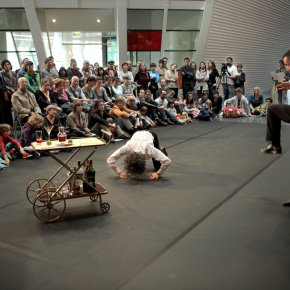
x,y
76,33
53,20
98,20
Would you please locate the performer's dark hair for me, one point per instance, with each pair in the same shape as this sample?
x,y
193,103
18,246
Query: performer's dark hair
x,y
135,163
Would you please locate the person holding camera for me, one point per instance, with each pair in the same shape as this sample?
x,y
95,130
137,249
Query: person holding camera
x,y
188,77
229,74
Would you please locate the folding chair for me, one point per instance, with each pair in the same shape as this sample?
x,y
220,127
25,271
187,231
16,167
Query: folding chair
x,y
16,123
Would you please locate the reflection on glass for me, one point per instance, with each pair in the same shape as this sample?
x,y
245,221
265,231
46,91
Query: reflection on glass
x,y
11,19
144,19
181,40
184,19
178,56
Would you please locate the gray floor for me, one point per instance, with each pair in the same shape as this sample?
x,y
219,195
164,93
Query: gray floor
x,y
213,221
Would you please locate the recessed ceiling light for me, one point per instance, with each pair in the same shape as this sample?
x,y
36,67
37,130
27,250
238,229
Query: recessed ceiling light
x,y
53,20
98,20
76,33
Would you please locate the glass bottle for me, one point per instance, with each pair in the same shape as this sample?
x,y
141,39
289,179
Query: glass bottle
x,y
80,173
61,136
91,174
75,189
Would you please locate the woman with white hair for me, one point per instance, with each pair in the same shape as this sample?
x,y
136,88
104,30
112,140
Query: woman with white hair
x,y
86,69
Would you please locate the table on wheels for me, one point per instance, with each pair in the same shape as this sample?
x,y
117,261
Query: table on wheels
x,y
48,204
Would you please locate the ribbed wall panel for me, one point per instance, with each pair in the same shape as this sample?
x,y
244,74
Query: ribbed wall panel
x,y
252,32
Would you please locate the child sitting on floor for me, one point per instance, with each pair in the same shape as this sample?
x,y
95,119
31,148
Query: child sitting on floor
x,y
143,116
10,148
206,113
171,108
240,112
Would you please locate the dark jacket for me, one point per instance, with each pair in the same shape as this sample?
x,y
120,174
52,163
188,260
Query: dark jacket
x,y
96,117
188,76
56,125
204,111
27,135
61,101
149,104
42,100
65,76
70,73
218,104
111,93
10,81
134,107
107,72
240,80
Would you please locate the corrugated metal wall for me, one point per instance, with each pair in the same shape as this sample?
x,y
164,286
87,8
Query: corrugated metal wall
x,y
255,33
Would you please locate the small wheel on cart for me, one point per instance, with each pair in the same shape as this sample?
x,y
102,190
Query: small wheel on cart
x,y
49,210
105,207
93,197
37,183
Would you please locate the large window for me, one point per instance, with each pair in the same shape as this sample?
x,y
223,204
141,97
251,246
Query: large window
x,y
16,40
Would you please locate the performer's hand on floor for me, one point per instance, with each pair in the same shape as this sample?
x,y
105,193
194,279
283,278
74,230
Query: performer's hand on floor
x,y
285,86
124,175
154,175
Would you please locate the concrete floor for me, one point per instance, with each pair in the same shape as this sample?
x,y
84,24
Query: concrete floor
x,y
213,221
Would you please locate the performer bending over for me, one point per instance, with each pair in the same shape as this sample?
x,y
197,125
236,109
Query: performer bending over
x,y
142,146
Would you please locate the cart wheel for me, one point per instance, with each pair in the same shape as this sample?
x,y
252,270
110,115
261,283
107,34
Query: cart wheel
x,y
105,207
34,185
93,197
50,210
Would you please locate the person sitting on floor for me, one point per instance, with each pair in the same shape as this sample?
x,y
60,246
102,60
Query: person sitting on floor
x,y
75,92
202,100
64,101
256,101
100,119
10,148
118,91
143,146
127,87
76,124
33,82
33,124
229,104
240,102
24,102
171,108
143,116
108,87
217,102
163,103
265,107
127,119
190,106
206,113
101,94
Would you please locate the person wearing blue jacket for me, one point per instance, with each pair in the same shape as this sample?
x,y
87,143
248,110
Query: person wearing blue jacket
x,y
206,113
154,79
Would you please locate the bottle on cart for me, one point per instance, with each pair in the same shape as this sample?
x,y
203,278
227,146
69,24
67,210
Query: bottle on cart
x,y
86,166
80,173
75,189
91,174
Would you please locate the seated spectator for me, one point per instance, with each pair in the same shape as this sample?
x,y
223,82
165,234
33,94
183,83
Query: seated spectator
x,y
154,80
206,113
240,102
171,108
63,100
171,119
62,73
155,111
66,83
108,87
127,118
143,116
73,70
24,102
32,78
256,101
96,66
171,97
118,92
142,77
76,123
240,112
264,111
171,77
190,107
33,124
202,100
86,69
9,86
52,120
101,73
75,92
100,119
125,72
20,73
51,84
100,93
162,88
49,70
10,148
241,78
127,87
202,78
217,102
131,103
110,71
88,88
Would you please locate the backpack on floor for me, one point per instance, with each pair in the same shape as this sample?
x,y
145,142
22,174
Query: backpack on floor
x,y
230,112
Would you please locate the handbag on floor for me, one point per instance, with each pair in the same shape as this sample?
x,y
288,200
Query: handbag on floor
x,y
230,112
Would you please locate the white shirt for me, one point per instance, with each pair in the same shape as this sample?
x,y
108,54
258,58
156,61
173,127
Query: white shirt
x,y
141,142
233,71
161,102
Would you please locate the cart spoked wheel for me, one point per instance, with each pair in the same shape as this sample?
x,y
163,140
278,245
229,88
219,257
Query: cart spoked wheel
x,y
94,197
35,185
49,210
105,207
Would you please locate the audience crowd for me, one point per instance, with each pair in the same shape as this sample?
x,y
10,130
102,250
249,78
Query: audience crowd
x,y
91,98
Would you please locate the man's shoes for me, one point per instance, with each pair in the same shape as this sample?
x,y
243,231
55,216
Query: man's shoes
x,y
286,203
36,155
163,150
161,123
168,121
26,155
272,149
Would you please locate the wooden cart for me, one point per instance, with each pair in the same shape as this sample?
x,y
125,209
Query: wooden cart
x,y
48,204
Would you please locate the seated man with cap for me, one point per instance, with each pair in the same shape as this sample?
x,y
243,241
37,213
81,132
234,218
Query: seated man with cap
x,y
110,71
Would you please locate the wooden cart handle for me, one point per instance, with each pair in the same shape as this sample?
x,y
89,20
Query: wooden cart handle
x,y
107,133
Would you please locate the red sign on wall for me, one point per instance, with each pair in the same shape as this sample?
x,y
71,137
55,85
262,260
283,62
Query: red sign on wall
x,y
144,40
